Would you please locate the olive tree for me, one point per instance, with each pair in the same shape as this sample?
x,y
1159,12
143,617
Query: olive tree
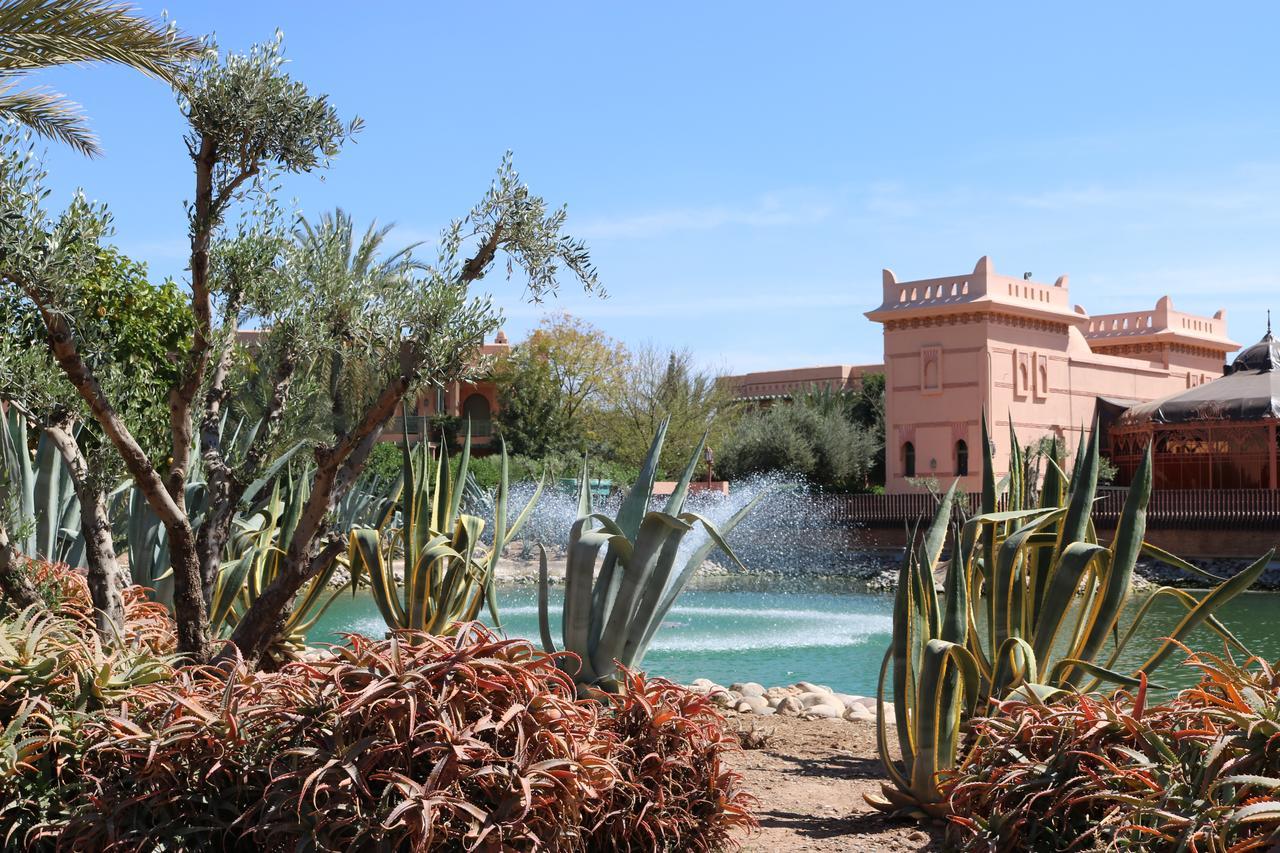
x,y
248,121
378,330
387,335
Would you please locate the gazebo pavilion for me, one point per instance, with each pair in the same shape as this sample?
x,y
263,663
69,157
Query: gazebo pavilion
x,y
1219,435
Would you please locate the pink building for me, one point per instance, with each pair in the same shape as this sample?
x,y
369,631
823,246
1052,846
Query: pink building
x,y
960,346
766,386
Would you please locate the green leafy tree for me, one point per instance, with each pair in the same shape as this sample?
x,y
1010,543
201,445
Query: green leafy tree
x,y
552,384
37,34
657,385
132,334
530,416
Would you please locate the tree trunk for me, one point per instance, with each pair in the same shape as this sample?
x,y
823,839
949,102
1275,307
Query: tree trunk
x,y
188,602
337,468
14,582
105,583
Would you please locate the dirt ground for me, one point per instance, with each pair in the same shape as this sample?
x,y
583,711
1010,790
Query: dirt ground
x,y
810,778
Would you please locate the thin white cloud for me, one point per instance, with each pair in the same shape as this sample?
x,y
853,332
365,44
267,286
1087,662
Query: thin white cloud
x,y
784,301
768,211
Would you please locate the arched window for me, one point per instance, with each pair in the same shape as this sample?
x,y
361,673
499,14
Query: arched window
x,y
908,460
962,458
476,408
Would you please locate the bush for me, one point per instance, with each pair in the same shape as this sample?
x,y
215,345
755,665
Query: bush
x,y
671,742
410,743
1201,772
820,444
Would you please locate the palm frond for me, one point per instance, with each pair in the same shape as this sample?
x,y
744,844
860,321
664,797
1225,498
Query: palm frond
x,y
49,114
43,33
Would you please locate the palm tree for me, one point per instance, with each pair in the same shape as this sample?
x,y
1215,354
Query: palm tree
x,y
37,34
328,255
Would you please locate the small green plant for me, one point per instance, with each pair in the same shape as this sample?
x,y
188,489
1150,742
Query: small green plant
x,y
448,572
1030,598
611,622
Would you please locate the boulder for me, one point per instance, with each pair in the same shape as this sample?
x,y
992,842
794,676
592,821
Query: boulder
x,y
810,699
859,714
752,704
789,706
827,711
810,687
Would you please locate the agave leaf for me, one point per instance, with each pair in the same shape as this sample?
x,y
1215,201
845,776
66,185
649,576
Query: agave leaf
x,y
464,465
1125,548
678,495
272,471
1076,559
635,505
1059,673
1178,563
936,536
937,728
696,559
544,624
229,582
365,555
654,533
1217,597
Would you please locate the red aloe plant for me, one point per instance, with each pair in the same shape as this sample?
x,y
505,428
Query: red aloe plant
x,y
672,742
1199,772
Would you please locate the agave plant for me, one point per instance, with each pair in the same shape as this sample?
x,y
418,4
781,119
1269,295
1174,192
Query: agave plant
x,y
147,541
260,544
612,622
448,571
1029,599
45,511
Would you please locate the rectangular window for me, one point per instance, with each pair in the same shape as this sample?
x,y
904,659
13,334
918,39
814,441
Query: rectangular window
x,y
931,370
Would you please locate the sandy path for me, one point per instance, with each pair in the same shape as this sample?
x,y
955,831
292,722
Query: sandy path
x,y
810,779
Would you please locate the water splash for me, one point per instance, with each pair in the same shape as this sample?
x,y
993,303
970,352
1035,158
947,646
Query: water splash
x,y
791,531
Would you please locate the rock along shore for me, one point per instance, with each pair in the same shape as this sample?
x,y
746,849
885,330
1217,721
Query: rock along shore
x,y
803,699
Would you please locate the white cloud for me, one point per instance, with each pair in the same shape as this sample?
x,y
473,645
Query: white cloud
x,y
768,211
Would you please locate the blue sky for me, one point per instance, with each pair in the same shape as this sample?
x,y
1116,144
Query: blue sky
x,y
743,171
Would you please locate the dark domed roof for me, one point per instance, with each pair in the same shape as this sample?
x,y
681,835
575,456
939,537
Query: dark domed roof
x,y
1263,356
1249,391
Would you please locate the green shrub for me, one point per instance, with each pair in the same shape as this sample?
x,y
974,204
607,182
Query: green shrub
x,y
819,443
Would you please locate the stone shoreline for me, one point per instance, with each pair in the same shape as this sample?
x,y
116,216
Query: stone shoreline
x,y
876,571
803,699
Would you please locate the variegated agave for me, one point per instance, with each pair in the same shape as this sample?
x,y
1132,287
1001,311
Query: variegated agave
x,y
259,545
448,570
1030,599
613,621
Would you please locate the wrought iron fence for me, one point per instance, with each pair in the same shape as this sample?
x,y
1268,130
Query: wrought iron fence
x,y
1192,508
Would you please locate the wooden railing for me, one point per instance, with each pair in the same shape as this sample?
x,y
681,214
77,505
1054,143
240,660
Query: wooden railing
x,y
1202,508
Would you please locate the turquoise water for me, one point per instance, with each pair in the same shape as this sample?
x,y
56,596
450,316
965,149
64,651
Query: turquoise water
x,y
756,631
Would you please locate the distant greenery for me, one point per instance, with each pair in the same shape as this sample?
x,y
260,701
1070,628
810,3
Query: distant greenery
x,y
571,389
552,384
385,466
835,439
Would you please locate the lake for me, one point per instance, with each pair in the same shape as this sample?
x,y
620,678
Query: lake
x,y
778,632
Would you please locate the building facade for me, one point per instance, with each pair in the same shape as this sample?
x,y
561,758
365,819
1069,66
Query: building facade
x,y
475,402
960,347
766,386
